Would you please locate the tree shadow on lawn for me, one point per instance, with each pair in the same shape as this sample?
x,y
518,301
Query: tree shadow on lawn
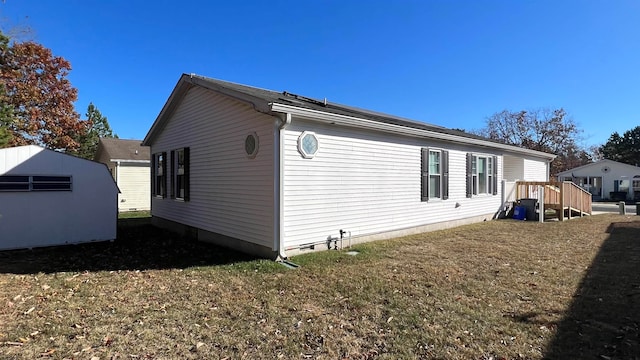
x,y
138,247
603,321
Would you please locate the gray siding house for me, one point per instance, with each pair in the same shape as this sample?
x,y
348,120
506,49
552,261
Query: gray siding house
x,y
274,173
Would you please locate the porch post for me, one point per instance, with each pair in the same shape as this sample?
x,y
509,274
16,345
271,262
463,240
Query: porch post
x,y
541,203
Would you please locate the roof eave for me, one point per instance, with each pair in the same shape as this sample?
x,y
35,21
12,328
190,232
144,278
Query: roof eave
x,y
186,82
258,103
130,161
179,91
595,163
344,120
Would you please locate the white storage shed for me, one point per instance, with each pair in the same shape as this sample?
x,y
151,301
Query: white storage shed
x,y
49,198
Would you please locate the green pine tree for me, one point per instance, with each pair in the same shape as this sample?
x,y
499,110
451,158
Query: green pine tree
x,y
97,127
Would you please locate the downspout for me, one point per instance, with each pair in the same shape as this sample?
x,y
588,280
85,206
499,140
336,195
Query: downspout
x,y
118,181
278,244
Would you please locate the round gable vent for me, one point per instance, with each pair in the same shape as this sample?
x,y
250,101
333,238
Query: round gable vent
x,y
605,169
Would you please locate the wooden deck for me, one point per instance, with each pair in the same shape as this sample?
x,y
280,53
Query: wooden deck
x,y
566,198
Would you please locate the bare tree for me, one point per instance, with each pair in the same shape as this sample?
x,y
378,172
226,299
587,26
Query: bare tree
x,y
546,130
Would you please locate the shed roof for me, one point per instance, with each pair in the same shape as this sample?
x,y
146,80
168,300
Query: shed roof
x,y
120,149
271,102
37,160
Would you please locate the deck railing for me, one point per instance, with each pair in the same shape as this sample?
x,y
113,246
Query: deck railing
x,y
565,197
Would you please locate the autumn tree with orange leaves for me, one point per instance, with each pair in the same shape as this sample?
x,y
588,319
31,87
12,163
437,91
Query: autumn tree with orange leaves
x,y
39,96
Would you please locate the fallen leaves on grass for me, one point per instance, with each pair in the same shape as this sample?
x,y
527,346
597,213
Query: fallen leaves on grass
x,y
499,290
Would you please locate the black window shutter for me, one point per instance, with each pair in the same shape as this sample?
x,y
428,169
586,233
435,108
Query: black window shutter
x,y
495,175
469,175
173,174
187,174
445,174
424,194
153,175
164,174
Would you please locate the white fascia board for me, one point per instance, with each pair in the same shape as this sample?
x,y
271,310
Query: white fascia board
x,y
130,161
344,120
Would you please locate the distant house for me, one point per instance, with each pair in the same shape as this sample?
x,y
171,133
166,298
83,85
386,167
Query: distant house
x,y
606,180
274,173
129,163
49,198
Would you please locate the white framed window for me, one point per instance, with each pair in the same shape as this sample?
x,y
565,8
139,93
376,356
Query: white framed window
x,y
308,144
180,174
251,145
159,174
482,173
435,174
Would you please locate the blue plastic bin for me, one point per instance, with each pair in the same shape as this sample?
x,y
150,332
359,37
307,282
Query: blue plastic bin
x,y
519,212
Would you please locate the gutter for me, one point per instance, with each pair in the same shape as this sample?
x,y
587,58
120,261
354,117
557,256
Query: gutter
x,y
130,161
278,186
351,121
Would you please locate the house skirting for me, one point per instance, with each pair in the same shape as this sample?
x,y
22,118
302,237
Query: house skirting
x,y
266,252
394,233
214,238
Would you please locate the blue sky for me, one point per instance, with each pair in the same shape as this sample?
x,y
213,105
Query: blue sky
x,y
446,62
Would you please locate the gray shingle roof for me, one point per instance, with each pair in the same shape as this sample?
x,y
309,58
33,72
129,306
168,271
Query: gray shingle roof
x,y
124,149
266,100
288,98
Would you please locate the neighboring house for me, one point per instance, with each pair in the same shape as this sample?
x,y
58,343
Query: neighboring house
x,y
606,180
49,198
129,164
275,173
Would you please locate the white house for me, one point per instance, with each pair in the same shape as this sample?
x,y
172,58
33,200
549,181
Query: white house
x,y
49,198
129,164
274,173
606,180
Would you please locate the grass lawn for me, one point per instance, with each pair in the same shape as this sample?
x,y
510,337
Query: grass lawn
x,y
494,290
134,214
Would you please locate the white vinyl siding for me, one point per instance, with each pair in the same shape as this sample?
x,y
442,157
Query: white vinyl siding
x,y
230,194
135,187
367,183
524,168
535,170
513,168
